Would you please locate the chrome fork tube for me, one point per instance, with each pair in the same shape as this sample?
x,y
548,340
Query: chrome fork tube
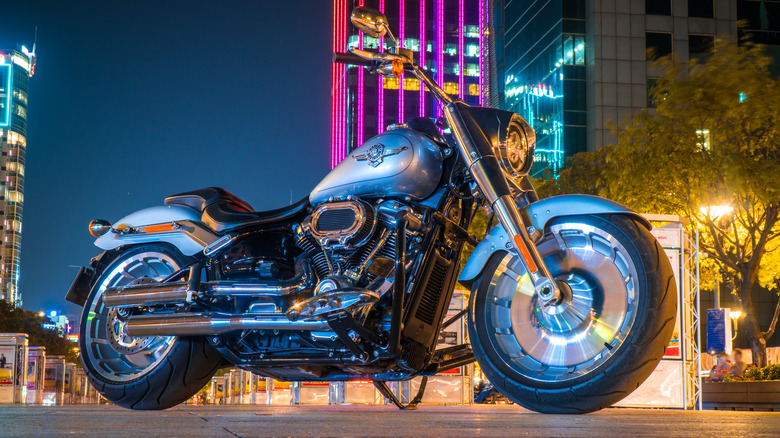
x,y
484,168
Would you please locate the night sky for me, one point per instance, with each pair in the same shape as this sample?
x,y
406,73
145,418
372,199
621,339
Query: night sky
x,y
136,100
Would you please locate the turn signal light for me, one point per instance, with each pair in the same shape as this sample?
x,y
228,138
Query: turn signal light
x,y
99,227
398,68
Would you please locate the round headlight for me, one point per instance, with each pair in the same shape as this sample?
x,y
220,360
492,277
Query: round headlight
x,y
514,151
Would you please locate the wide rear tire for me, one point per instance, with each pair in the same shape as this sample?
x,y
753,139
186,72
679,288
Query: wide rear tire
x,y
140,373
597,346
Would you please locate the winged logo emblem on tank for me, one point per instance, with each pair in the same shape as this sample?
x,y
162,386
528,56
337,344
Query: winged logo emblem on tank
x,y
377,153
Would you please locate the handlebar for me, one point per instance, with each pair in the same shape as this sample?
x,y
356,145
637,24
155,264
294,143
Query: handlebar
x,y
351,58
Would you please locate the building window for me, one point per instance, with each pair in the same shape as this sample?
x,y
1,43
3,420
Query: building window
x,y
658,7
452,68
473,89
13,166
574,49
703,136
20,95
471,31
472,50
658,44
700,46
451,49
370,42
390,83
451,87
411,84
14,196
412,44
472,70
700,8
651,100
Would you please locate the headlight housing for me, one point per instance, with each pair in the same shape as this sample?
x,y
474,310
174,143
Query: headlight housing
x,y
513,150
512,138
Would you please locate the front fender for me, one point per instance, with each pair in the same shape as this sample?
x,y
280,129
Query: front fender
x,y
537,215
190,236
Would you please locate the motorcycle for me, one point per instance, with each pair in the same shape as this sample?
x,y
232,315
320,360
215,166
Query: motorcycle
x,y
571,306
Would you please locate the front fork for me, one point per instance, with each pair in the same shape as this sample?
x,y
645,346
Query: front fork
x,y
484,168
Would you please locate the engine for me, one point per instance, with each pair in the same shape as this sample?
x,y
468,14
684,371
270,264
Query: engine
x,y
343,225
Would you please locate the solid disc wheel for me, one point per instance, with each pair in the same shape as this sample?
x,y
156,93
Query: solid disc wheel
x,y
600,341
140,372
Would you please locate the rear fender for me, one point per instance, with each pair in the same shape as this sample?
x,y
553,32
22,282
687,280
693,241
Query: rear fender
x,y
177,225
537,215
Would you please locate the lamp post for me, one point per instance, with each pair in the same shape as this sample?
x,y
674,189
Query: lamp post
x,y
717,213
735,315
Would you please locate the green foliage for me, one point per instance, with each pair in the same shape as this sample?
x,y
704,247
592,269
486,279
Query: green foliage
x,y
769,372
477,229
17,320
585,173
713,140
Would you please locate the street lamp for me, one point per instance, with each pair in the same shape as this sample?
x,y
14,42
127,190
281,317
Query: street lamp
x,y
735,315
717,213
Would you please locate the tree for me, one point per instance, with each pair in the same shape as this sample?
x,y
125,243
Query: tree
x,y
17,320
710,152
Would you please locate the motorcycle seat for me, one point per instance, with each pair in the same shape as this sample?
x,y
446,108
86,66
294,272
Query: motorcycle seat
x,y
223,211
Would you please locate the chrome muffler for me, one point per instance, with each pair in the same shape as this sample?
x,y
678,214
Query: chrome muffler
x,y
182,292
202,324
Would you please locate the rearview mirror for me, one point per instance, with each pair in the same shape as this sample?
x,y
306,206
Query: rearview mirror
x,y
369,21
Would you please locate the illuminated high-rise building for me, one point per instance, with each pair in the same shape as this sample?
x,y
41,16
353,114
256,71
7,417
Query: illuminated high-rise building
x,y
574,68
16,68
447,38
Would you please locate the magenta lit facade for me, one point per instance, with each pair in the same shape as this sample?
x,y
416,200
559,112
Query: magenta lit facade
x,y
446,37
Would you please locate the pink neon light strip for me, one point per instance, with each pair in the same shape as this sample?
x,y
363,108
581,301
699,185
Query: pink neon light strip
x,y
439,46
401,33
423,47
333,84
380,116
482,19
461,54
338,98
361,74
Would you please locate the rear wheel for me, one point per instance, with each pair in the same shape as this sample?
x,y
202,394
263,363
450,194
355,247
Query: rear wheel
x,y
140,372
601,341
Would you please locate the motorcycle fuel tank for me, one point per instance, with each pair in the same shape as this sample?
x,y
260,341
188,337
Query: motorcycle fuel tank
x,y
400,163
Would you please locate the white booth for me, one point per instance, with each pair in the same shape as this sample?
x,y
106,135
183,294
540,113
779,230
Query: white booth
x,y
13,367
36,361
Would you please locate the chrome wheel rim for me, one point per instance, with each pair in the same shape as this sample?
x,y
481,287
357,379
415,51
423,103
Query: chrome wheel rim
x,y
112,353
564,341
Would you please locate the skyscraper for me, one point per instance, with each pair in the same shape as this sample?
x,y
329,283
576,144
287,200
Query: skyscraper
x,y
447,38
571,67
16,68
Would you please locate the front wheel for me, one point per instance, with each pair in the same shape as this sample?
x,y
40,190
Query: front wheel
x,y
601,341
150,372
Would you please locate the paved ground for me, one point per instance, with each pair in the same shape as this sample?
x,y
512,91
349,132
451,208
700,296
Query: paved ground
x,y
338,421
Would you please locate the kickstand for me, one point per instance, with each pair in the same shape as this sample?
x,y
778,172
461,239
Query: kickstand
x,y
385,391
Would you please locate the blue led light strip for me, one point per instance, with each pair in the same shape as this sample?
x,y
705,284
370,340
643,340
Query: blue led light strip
x,y
7,96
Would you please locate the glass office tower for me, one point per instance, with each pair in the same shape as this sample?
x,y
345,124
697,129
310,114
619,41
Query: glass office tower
x,y
447,38
540,58
16,68
573,68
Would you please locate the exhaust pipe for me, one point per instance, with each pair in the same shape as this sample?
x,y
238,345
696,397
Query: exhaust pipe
x,y
202,324
180,293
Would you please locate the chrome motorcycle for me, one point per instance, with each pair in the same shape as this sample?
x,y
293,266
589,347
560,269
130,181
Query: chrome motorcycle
x,y
572,300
